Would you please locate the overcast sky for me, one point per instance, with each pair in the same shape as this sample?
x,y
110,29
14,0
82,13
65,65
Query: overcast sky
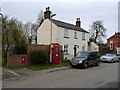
x,y
68,12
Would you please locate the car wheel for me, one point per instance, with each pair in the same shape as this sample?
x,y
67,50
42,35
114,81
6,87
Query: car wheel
x,y
97,63
72,66
112,61
86,65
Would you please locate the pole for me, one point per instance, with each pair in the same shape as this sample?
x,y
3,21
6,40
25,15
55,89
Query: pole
x,y
51,40
51,44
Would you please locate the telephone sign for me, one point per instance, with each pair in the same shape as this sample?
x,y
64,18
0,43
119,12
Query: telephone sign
x,y
52,46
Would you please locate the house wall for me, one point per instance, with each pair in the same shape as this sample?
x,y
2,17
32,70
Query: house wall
x,y
115,43
44,33
115,40
93,47
71,41
43,37
118,50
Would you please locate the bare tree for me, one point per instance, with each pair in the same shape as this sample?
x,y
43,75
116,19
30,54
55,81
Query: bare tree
x,y
36,25
30,32
39,19
97,31
30,29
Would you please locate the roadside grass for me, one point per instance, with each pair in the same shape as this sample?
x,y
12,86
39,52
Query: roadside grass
x,y
47,66
0,60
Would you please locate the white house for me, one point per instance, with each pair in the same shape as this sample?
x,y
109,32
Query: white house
x,y
73,38
93,47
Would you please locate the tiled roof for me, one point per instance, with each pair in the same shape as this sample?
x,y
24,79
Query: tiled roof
x,y
67,25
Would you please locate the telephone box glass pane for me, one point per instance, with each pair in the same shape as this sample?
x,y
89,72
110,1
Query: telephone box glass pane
x,y
56,53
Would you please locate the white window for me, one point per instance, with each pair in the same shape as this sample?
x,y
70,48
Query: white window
x,y
75,34
111,45
83,35
65,32
66,48
118,50
83,48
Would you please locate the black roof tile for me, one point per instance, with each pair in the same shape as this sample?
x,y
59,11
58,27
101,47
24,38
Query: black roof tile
x,y
67,25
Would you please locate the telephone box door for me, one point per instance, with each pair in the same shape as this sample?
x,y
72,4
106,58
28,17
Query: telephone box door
x,y
56,61
55,53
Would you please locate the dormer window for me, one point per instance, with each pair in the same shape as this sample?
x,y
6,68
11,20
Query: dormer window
x,y
66,33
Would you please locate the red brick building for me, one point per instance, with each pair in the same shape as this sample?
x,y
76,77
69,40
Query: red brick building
x,y
113,43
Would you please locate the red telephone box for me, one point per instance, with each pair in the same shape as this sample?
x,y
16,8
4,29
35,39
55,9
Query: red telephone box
x,y
54,47
23,59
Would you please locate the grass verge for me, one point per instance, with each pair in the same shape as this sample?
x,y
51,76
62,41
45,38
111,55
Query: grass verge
x,y
47,66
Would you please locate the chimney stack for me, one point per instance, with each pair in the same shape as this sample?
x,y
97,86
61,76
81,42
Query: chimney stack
x,y
78,22
47,13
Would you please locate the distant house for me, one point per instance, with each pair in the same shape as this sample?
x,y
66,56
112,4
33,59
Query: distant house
x,y
73,38
113,43
92,46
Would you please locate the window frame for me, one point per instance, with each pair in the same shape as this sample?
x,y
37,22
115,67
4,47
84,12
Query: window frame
x,y
66,33
65,48
83,47
83,35
111,46
75,35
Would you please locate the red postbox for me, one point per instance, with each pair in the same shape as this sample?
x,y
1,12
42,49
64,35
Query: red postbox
x,y
54,47
23,59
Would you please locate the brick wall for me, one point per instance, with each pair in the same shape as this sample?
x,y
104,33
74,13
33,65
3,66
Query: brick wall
x,y
34,47
16,60
116,41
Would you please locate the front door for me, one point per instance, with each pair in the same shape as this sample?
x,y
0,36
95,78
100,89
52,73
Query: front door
x,y
75,50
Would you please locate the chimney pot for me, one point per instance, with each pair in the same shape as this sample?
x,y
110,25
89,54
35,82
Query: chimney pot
x,y
48,8
78,22
78,19
47,13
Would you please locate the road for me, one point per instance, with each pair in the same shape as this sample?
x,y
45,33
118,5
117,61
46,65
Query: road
x,y
92,77
0,77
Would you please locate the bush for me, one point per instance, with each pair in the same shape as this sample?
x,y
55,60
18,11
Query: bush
x,y
39,57
2,61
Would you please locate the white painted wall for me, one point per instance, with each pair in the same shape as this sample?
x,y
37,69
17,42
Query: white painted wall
x,y
93,47
43,33
43,37
71,41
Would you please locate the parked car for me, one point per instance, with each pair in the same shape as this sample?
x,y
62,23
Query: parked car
x,y
110,58
85,59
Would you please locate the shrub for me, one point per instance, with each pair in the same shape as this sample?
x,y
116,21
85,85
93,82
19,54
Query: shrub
x,y
2,61
39,57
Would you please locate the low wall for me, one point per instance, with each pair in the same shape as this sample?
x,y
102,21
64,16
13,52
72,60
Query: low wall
x,y
16,60
34,47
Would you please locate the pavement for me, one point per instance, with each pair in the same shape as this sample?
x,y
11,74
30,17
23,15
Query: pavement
x,y
0,77
14,73
103,76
